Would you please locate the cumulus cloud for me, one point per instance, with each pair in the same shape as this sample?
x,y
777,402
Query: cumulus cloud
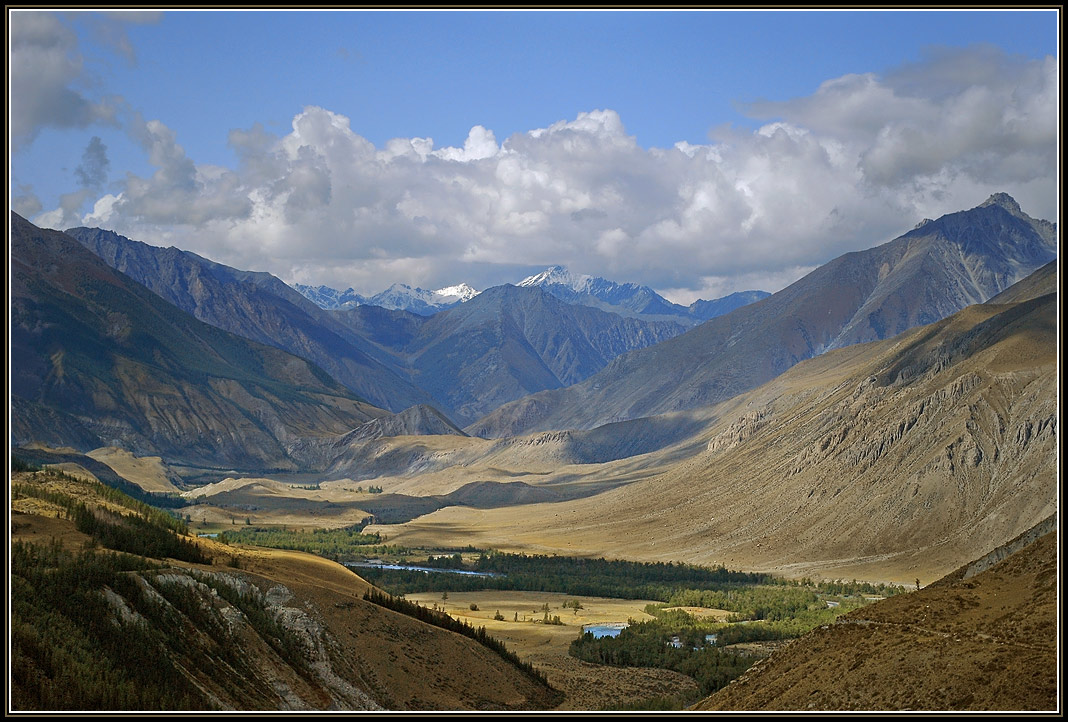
x,y
975,112
66,215
858,162
46,69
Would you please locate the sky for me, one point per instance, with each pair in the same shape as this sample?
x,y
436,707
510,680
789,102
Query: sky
x,y
697,152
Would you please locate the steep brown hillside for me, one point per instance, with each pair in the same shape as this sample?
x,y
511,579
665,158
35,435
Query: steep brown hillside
x,y
988,642
250,629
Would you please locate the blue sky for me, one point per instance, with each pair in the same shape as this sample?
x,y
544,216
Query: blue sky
x,y
262,139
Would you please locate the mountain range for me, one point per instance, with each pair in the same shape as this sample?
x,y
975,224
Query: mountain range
x,y
631,299
934,270
398,297
503,344
500,345
626,299
891,460
519,359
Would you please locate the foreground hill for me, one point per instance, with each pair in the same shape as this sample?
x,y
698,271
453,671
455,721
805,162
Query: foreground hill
x,y
985,642
257,306
99,360
887,461
214,627
934,270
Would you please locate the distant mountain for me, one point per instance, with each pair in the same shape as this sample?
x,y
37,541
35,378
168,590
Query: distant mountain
x,y
626,299
707,310
631,299
257,306
397,297
400,297
330,299
503,344
938,268
100,360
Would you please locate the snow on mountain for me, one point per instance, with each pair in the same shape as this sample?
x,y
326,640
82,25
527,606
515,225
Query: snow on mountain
x,y
330,298
399,296
630,299
461,293
559,276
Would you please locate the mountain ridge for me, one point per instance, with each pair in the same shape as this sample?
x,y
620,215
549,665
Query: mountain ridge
x,y
926,274
257,306
100,360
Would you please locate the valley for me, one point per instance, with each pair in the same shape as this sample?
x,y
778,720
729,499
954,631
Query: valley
x,y
888,419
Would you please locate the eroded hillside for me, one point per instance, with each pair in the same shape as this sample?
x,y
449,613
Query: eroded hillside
x,y
218,628
988,642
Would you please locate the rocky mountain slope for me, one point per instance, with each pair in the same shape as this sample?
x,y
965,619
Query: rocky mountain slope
x,y
99,360
888,461
930,272
259,307
988,642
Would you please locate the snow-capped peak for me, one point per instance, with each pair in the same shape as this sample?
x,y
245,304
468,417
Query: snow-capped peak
x,y
558,275
461,292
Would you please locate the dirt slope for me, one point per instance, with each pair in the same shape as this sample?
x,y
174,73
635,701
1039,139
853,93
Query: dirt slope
x,y
984,643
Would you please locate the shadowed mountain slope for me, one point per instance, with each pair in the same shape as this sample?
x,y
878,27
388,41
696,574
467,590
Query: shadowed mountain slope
x,y
934,270
259,307
99,360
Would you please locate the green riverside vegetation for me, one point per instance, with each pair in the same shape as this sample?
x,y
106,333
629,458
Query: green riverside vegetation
x,y
341,545
762,607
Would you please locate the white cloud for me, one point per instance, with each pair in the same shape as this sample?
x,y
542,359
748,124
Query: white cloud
x,y
46,69
855,164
